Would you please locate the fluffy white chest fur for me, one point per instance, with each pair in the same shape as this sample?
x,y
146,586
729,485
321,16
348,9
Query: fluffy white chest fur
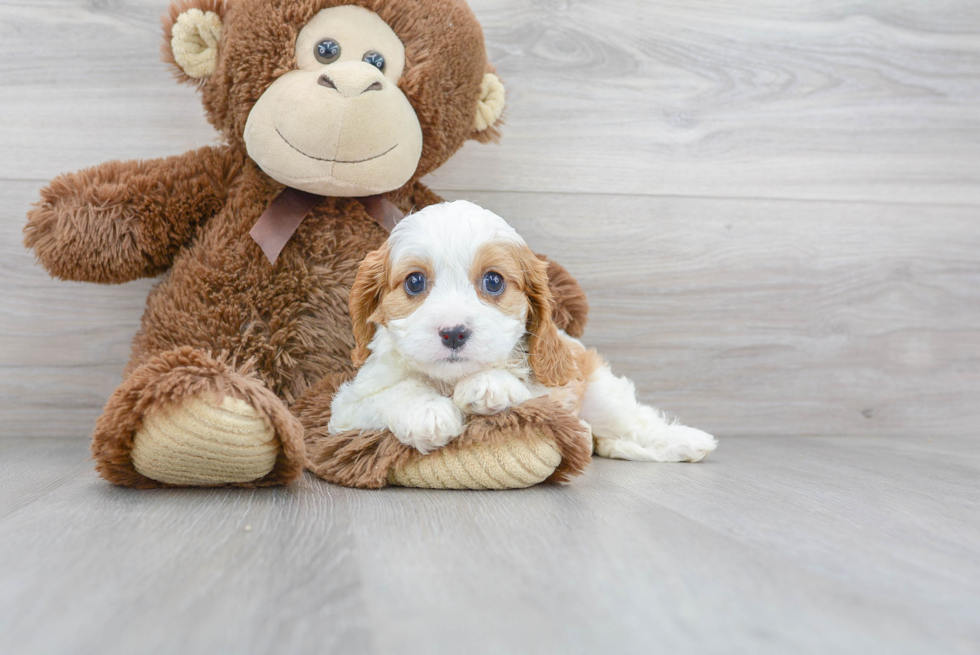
x,y
452,316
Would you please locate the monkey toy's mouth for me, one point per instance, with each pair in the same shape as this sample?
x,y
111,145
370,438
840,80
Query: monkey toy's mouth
x,y
335,161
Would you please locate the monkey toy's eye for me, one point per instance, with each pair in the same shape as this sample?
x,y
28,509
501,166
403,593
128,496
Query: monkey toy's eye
x,y
415,284
326,51
493,283
375,59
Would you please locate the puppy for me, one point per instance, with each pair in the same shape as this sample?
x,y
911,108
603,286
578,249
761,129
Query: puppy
x,y
453,316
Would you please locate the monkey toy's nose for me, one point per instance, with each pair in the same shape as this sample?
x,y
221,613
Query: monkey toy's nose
x,y
455,337
350,85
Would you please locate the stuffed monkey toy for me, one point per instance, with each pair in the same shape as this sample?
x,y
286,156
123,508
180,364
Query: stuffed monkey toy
x,y
330,112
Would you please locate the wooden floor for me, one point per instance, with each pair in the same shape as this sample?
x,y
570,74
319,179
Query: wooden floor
x,y
775,210
773,545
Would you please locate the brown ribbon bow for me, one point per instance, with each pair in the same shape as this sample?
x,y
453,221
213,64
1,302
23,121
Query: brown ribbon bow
x,y
282,218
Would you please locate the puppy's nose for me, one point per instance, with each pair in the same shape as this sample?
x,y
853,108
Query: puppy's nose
x,y
455,337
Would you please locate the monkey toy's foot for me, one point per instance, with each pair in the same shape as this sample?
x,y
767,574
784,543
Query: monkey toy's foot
x,y
186,419
204,441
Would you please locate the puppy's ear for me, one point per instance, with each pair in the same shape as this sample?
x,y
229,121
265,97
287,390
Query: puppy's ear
x,y
365,298
551,359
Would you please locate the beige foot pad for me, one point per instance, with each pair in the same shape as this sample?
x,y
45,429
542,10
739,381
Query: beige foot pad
x,y
202,443
515,464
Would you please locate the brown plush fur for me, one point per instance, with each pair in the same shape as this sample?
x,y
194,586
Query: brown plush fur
x,y
165,380
190,216
444,51
125,220
364,459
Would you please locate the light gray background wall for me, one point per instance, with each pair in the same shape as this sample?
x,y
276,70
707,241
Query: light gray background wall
x,y
774,206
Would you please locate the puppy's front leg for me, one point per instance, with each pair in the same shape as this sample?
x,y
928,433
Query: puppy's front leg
x,y
420,417
379,399
490,392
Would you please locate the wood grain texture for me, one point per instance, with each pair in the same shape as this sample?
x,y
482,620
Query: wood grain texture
x,y
773,207
846,100
742,317
795,545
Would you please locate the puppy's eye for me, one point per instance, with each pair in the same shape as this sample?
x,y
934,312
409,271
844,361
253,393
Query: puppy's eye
x,y
415,284
376,59
493,283
327,51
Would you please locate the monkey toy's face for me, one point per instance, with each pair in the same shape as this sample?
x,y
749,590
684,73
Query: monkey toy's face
x,y
339,97
339,125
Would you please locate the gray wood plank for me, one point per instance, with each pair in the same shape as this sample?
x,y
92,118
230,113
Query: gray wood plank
x,y
803,545
90,568
821,100
742,317
737,556
847,100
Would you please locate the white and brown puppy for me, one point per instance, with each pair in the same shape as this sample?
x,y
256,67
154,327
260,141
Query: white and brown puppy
x,y
452,316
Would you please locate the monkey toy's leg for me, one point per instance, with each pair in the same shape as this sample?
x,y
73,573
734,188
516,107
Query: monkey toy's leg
x,y
185,418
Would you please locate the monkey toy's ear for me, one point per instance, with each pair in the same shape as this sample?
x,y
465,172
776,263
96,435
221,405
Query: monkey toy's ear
x,y
489,109
192,31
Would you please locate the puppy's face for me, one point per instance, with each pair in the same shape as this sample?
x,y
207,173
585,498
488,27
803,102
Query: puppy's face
x,y
456,289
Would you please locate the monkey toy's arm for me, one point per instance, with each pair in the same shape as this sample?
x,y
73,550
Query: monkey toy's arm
x,y
125,220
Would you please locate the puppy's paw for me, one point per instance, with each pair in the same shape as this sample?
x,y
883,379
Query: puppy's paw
x,y
429,425
490,392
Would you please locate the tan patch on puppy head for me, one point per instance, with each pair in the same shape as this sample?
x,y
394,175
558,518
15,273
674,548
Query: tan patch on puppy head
x,y
527,294
505,259
397,303
378,296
